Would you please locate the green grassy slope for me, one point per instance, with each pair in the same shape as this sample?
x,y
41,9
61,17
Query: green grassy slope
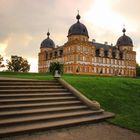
x,y
116,94
39,76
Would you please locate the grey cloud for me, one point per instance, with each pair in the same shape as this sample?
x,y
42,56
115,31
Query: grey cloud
x,y
20,18
36,15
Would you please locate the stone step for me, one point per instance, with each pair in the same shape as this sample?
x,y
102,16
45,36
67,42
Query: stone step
x,y
45,116
29,80
31,87
31,90
33,95
27,100
41,110
48,124
37,101
33,105
28,83
38,105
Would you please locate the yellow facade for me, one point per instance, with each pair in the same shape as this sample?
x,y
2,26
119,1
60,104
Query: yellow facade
x,y
79,55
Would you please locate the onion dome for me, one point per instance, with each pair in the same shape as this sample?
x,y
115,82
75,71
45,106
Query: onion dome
x,y
124,40
78,28
47,43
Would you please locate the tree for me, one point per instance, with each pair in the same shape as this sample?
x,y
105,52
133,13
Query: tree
x,y
1,62
56,66
137,69
18,64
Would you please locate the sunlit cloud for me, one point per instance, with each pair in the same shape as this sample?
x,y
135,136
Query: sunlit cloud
x,y
33,64
2,48
102,15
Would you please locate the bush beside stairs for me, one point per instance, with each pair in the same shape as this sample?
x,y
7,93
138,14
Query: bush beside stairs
x,y
34,105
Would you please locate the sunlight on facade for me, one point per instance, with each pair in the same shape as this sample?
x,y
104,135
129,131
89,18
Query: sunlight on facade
x,y
138,55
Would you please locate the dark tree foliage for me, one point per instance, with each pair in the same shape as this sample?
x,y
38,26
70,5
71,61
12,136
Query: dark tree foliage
x,y
56,66
1,62
137,69
18,64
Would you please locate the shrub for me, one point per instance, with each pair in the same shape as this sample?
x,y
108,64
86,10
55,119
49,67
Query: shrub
x,y
137,69
56,66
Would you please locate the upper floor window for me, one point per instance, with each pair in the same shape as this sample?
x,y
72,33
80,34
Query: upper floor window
x,y
78,48
115,62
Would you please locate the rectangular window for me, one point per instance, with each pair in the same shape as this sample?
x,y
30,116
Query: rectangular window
x,y
83,69
122,71
79,57
88,59
68,50
78,48
115,62
103,60
95,59
95,70
84,58
88,50
107,61
87,69
111,70
103,70
107,70
84,49
111,61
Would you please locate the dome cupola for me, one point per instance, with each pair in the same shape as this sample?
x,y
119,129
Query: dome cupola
x,y
78,28
47,43
124,40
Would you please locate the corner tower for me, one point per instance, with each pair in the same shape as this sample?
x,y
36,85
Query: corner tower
x,y
125,42
46,48
128,56
78,50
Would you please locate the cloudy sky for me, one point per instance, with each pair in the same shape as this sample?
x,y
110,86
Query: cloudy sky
x,y
24,23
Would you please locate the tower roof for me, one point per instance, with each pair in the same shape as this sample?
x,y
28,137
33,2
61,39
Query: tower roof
x,y
124,40
78,28
47,43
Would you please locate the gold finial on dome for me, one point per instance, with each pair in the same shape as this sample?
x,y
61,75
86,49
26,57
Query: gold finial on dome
x,y
124,30
78,16
48,33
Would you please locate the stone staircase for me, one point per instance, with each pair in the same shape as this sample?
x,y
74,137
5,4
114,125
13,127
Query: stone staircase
x,y
31,105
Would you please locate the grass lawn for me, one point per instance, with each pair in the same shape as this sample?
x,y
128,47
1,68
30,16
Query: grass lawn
x,y
39,76
120,95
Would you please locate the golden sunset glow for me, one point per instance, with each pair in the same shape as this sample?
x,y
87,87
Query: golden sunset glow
x,y
2,49
34,64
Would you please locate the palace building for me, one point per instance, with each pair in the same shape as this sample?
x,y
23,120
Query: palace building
x,y
79,55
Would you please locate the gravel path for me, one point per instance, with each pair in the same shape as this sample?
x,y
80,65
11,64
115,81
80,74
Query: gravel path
x,y
98,131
